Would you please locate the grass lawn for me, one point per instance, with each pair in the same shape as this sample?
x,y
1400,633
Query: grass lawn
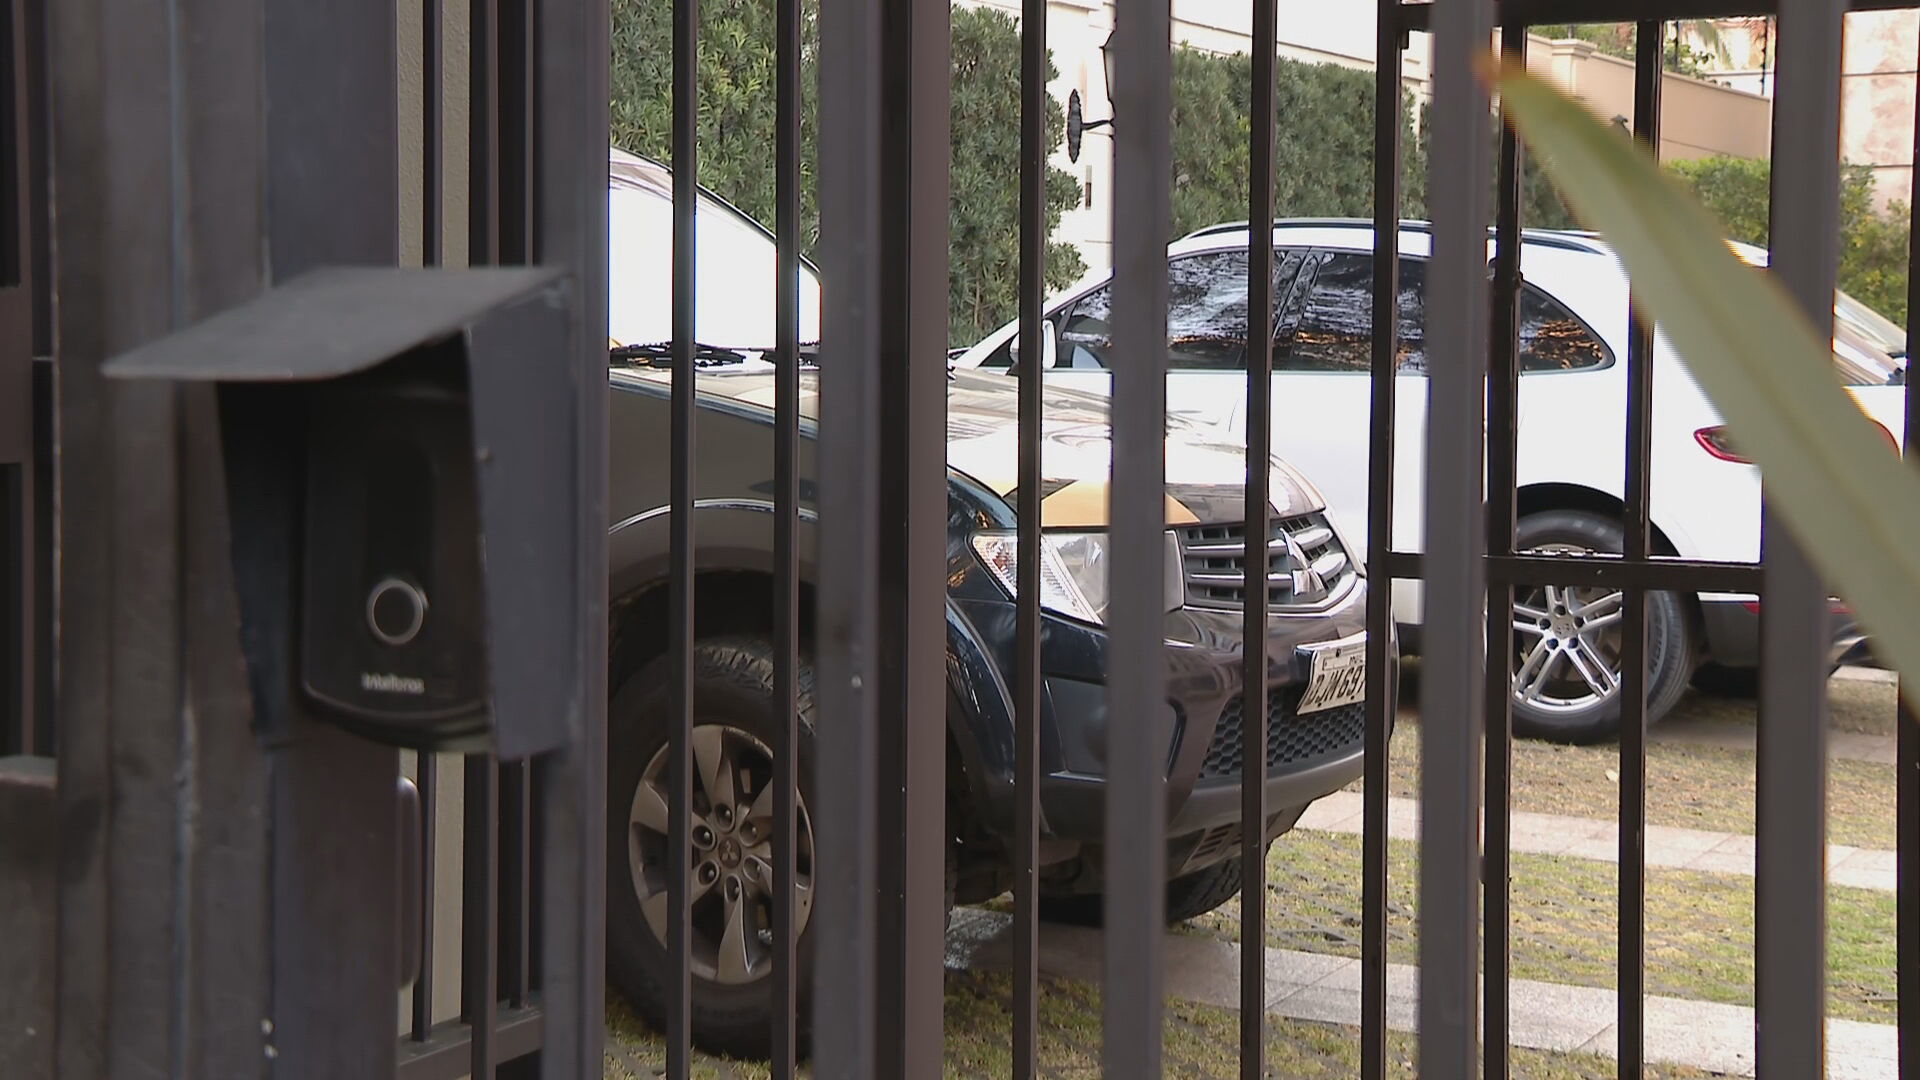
x,y
1699,926
1688,786
1854,705
1201,1042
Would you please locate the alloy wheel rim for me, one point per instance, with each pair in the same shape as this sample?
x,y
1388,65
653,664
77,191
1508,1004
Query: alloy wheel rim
x,y
730,854
1567,644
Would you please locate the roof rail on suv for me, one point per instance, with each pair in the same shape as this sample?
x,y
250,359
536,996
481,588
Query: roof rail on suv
x,y
1568,239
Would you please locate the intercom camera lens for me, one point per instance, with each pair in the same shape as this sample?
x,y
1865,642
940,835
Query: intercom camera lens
x,y
396,610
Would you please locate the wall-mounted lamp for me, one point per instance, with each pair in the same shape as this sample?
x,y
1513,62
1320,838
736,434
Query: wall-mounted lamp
x,y
1077,124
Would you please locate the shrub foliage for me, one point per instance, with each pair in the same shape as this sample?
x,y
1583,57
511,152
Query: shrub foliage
x,y
737,122
1873,246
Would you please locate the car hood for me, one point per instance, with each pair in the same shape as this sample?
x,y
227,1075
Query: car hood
x,y
1204,470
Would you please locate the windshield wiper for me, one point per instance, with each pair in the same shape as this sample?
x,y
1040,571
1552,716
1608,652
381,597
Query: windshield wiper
x,y
660,355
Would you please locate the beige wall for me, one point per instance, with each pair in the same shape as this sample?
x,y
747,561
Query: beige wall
x,y
1882,50
1876,97
1696,118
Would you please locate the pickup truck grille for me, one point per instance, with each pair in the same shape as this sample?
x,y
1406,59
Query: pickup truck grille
x,y
1305,563
1292,739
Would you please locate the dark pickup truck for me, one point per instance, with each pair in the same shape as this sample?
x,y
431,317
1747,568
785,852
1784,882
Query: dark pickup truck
x,y
1316,644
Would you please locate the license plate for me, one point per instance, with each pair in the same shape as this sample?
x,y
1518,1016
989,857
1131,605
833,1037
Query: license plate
x,y
1338,675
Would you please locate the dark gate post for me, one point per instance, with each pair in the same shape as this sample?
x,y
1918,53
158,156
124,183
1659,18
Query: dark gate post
x,y
230,866
571,231
29,855
882,630
1451,698
1791,793
163,935
332,172
19,344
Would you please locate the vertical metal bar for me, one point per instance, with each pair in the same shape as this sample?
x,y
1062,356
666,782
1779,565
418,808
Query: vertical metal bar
x,y
787,992
1259,526
163,937
514,98
483,133
686,180
1381,689
1630,1024
427,778
39,278
1451,705
30,894
913,539
432,150
518,128
14,221
39,268
227,944
16,573
1907,748
1036,106
1795,641
14,158
570,784
882,455
17,417
84,160
1136,811
480,913
846,832
1503,421
516,881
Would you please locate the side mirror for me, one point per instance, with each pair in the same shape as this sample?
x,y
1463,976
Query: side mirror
x,y
1049,348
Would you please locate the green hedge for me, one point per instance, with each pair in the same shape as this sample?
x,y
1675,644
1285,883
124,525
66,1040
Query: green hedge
x,y
1322,155
1323,150
1873,246
737,135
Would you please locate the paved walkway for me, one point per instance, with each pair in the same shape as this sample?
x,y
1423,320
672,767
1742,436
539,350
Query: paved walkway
x,y
1546,1016
1586,838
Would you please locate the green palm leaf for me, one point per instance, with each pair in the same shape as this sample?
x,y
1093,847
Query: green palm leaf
x,y
1852,504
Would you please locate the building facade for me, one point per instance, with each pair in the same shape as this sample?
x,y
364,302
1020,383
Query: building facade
x,y
1700,117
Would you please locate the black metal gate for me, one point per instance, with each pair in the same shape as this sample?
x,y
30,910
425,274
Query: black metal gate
x,y
211,891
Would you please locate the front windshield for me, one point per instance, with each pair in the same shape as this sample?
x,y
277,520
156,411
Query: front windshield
x,y
1869,349
1860,360
735,276
1881,330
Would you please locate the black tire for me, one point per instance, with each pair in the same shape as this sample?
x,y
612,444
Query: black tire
x,y
1727,682
1188,897
1739,683
733,686
1202,891
1669,638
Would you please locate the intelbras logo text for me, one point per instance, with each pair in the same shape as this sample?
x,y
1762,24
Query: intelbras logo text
x,y
392,684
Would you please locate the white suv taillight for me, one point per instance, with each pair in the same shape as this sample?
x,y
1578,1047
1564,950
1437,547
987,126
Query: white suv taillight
x,y
1718,442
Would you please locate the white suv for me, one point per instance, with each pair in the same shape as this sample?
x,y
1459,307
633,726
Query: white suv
x,y
1571,461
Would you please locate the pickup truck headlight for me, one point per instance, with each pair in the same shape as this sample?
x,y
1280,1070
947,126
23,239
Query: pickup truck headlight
x,y
1073,571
